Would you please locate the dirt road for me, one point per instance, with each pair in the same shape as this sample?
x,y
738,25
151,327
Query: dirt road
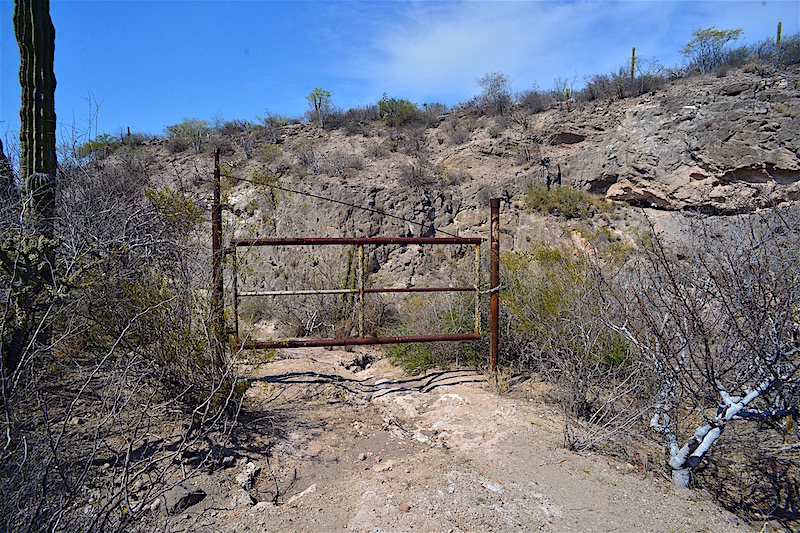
x,y
367,448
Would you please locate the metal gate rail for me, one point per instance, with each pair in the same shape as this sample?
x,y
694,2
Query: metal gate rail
x,y
362,290
220,332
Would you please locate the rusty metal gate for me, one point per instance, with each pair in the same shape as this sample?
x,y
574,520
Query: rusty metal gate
x,y
360,290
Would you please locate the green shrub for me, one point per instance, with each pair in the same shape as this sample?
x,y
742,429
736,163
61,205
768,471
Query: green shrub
x,y
494,132
413,357
98,148
397,112
188,133
563,201
450,314
557,329
708,48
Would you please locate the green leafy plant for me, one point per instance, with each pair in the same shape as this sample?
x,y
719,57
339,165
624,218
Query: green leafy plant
x,y
99,147
397,112
188,133
563,201
709,47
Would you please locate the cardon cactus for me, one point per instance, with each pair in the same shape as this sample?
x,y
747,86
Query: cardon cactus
x,y
36,37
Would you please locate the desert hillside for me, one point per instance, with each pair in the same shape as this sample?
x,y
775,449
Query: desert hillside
x,y
719,145
648,297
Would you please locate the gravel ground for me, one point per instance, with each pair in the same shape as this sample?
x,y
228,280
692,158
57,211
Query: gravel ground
x,y
371,449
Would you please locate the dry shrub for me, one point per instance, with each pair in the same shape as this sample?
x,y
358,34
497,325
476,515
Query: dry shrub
x,y
96,422
556,329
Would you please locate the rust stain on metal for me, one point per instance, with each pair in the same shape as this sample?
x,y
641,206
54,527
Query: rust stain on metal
x,y
355,341
299,241
494,283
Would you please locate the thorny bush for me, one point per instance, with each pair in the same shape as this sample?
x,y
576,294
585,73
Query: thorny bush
x,y
95,424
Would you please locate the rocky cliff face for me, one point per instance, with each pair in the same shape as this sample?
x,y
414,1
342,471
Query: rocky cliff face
x,y
719,145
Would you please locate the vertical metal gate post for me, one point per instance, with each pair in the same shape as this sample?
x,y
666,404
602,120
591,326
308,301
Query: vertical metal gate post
x,y
494,282
360,290
217,320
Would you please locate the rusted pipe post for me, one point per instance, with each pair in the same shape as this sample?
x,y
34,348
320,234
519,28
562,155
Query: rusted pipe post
x,y
235,294
360,290
494,283
217,321
477,288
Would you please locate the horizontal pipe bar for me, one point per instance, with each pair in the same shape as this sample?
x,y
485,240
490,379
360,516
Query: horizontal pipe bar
x,y
299,292
354,291
356,341
420,289
295,241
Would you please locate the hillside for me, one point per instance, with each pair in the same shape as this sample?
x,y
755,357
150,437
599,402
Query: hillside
x,y
723,146
649,300
719,145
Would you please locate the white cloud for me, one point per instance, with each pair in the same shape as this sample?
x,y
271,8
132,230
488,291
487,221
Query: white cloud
x,y
439,50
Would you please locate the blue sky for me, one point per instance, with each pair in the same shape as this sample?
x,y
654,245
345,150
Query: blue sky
x,y
149,64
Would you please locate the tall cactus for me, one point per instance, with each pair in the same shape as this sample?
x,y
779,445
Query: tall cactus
x,y
34,255
778,38
36,37
633,62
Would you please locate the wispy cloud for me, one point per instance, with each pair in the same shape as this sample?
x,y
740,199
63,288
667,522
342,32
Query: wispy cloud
x,y
441,49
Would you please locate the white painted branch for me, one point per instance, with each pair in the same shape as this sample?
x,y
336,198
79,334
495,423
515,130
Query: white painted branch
x,y
706,443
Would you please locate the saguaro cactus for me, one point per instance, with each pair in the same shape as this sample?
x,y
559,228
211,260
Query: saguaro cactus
x,y
778,39
36,37
633,61
34,255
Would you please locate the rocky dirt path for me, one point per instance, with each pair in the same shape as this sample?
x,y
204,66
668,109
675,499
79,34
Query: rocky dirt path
x,y
363,447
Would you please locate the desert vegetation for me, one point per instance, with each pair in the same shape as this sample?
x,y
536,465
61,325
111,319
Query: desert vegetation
x,y
112,390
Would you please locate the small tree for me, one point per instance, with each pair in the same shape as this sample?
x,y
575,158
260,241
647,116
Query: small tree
x,y
496,93
720,325
398,111
319,102
708,48
190,132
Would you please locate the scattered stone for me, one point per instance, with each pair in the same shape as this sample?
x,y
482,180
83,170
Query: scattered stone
x,y
228,461
383,467
246,478
403,507
493,487
362,457
182,496
297,497
242,498
260,506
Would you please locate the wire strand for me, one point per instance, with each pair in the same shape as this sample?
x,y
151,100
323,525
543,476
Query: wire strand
x,y
422,225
